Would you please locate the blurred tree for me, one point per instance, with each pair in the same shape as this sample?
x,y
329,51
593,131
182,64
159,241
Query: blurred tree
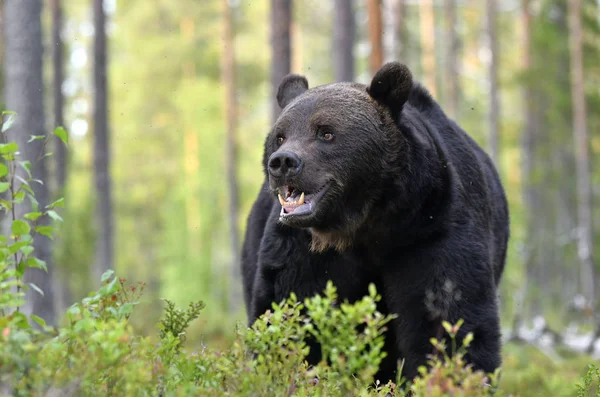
x,y
375,35
60,152
1,57
281,54
343,40
427,24
585,241
527,159
228,77
494,107
24,95
399,20
104,210
452,59
62,287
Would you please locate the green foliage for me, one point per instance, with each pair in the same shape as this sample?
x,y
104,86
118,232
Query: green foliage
x,y
176,321
591,378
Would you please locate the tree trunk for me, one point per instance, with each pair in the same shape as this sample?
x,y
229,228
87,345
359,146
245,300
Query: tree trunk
x,y
427,25
452,48
63,292
228,65
580,135
281,53
375,33
343,40
60,152
399,41
104,214
494,107
24,95
527,157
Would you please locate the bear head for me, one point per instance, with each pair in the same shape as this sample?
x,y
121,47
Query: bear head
x,y
330,152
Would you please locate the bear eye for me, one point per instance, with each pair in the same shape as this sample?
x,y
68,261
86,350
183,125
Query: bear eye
x,y
280,139
325,135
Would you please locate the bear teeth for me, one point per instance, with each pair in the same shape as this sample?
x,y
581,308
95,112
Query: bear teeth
x,y
291,203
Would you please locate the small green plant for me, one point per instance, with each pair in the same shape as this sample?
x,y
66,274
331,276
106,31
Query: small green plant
x,y
176,321
590,382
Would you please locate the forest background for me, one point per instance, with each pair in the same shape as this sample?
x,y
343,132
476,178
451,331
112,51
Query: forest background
x,y
167,105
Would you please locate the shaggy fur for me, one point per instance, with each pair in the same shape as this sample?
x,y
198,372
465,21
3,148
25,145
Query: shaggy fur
x,y
411,204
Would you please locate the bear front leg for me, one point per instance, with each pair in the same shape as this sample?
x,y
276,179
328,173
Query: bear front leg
x,y
263,293
423,293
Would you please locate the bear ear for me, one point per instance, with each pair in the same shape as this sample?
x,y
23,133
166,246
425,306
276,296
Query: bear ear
x,y
290,87
391,86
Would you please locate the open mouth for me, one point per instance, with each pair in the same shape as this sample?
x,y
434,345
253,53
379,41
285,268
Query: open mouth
x,y
295,202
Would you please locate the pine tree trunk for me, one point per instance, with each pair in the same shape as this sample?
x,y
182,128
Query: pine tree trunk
x,y
281,53
104,210
228,73
399,42
343,40
452,67
24,94
427,25
494,108
582,163
375,35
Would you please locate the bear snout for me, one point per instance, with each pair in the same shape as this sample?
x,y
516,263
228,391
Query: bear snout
x,y
284,164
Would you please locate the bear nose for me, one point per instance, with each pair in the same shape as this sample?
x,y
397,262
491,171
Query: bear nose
x,y
284,164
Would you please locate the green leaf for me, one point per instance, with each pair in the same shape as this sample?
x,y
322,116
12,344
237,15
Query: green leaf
x,y
21,269
74,310
32,216
52,214
20,227
19,197
9,121
35,287
36,138
36,263
26,250
17,246
58,203
62,135
26,166
45,231
10,147
28,188
34,203
4,186
40,321
3,170
107,274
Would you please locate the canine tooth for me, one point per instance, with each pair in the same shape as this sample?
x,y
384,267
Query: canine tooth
x,y
281,201
301,199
